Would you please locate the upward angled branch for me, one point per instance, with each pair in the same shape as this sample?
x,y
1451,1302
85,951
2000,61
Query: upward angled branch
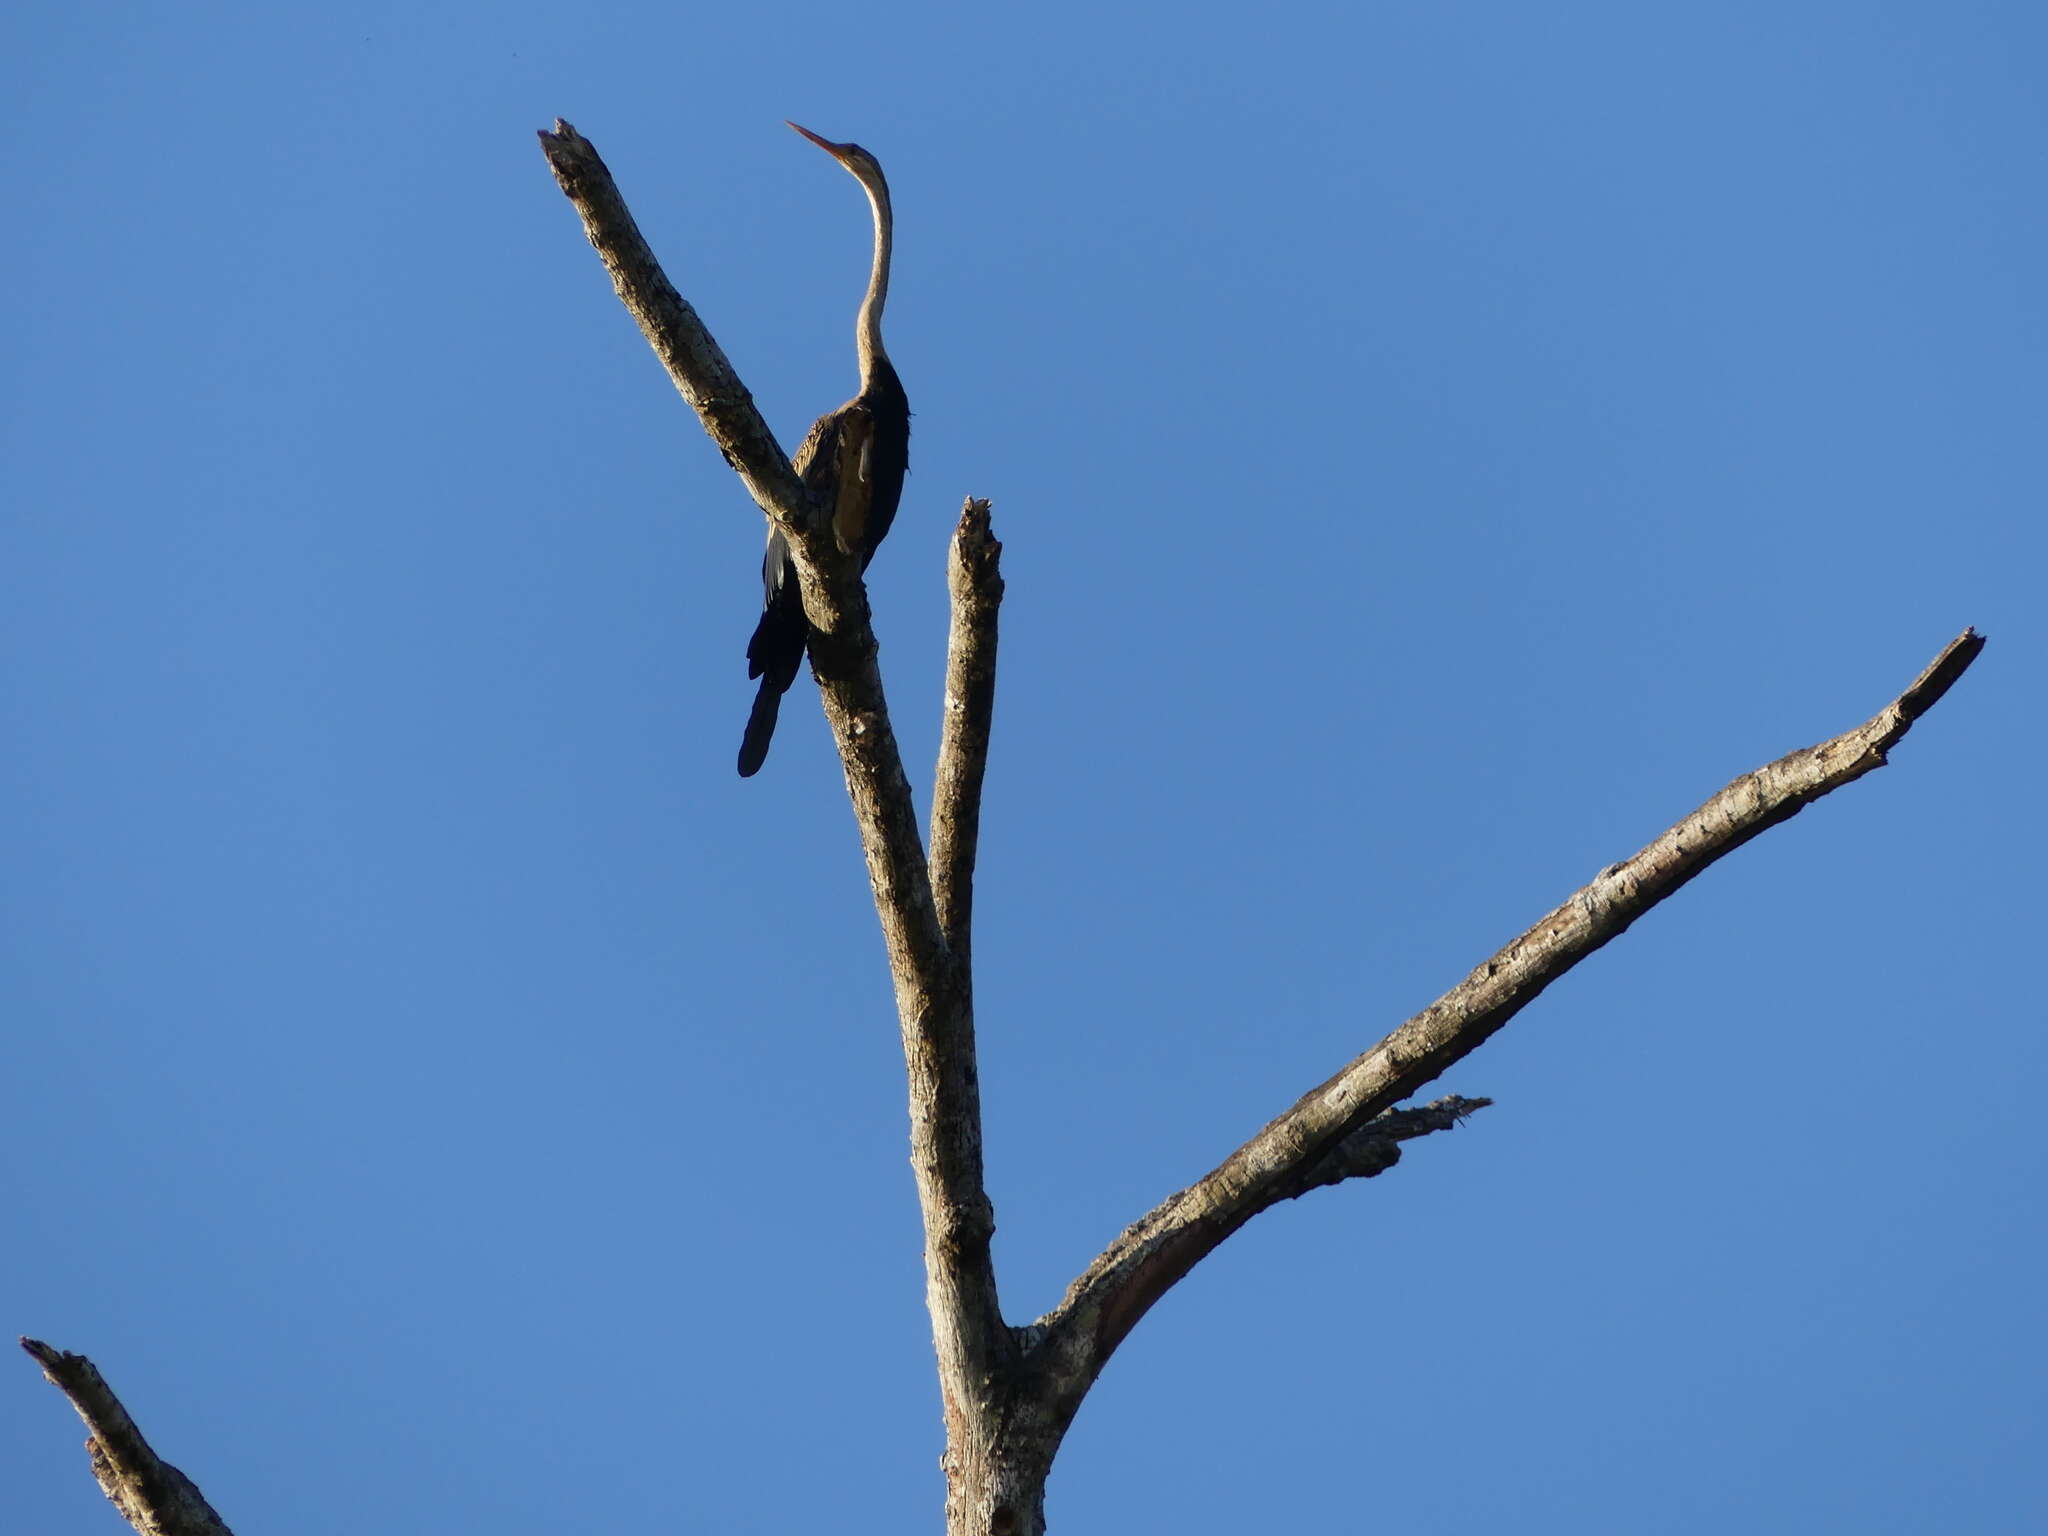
x,y
152,1495
834,601
1293,1153
695,362
974,574
933,998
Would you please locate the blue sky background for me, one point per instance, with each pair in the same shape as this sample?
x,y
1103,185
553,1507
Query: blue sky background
x,y
1436,445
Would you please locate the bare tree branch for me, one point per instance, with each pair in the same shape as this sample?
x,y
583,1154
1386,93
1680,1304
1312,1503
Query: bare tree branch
x,y
844,650
1375,1146
974,576
834,600
1009,1396
934,1000
1290,1155
152,1495
694,361
934,1005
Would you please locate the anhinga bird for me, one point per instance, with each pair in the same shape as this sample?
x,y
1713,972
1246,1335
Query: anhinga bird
x,y
853,461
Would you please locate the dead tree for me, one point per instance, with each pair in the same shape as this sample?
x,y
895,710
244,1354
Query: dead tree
x,y
1010,1390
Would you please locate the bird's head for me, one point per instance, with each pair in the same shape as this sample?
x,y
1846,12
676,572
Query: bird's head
x,y
866,169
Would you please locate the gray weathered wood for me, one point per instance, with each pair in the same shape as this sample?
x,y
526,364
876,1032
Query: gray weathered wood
x,y
1009,1394
974,577
151,1494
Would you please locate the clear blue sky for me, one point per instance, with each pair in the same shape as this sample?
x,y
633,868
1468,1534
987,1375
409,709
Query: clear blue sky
x,y
1436,446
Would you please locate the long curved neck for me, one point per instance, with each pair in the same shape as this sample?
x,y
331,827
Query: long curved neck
x,y
868,328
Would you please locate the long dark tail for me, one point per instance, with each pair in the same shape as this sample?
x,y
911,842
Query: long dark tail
x,y
760,728
774,655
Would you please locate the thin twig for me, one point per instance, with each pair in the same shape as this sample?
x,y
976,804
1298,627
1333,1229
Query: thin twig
x,y
1375,1146
152,1495
974,576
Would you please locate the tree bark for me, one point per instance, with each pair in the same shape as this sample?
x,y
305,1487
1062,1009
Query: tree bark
x,y
1009,1394
151,1494
975,579
1293,1152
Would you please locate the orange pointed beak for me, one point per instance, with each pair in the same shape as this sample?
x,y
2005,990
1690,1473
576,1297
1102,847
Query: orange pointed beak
x,y
836,151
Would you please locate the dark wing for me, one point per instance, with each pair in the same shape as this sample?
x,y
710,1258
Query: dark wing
x,y
887,455
853,460
834,465
775,653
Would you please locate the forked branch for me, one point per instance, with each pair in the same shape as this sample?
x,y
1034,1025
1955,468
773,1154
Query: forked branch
x,y
1010,1396
933,998
833,597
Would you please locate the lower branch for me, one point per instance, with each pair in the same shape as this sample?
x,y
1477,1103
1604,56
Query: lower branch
x,y
152,1495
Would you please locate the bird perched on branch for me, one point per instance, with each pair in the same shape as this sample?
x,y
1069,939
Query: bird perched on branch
x,y
853,462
